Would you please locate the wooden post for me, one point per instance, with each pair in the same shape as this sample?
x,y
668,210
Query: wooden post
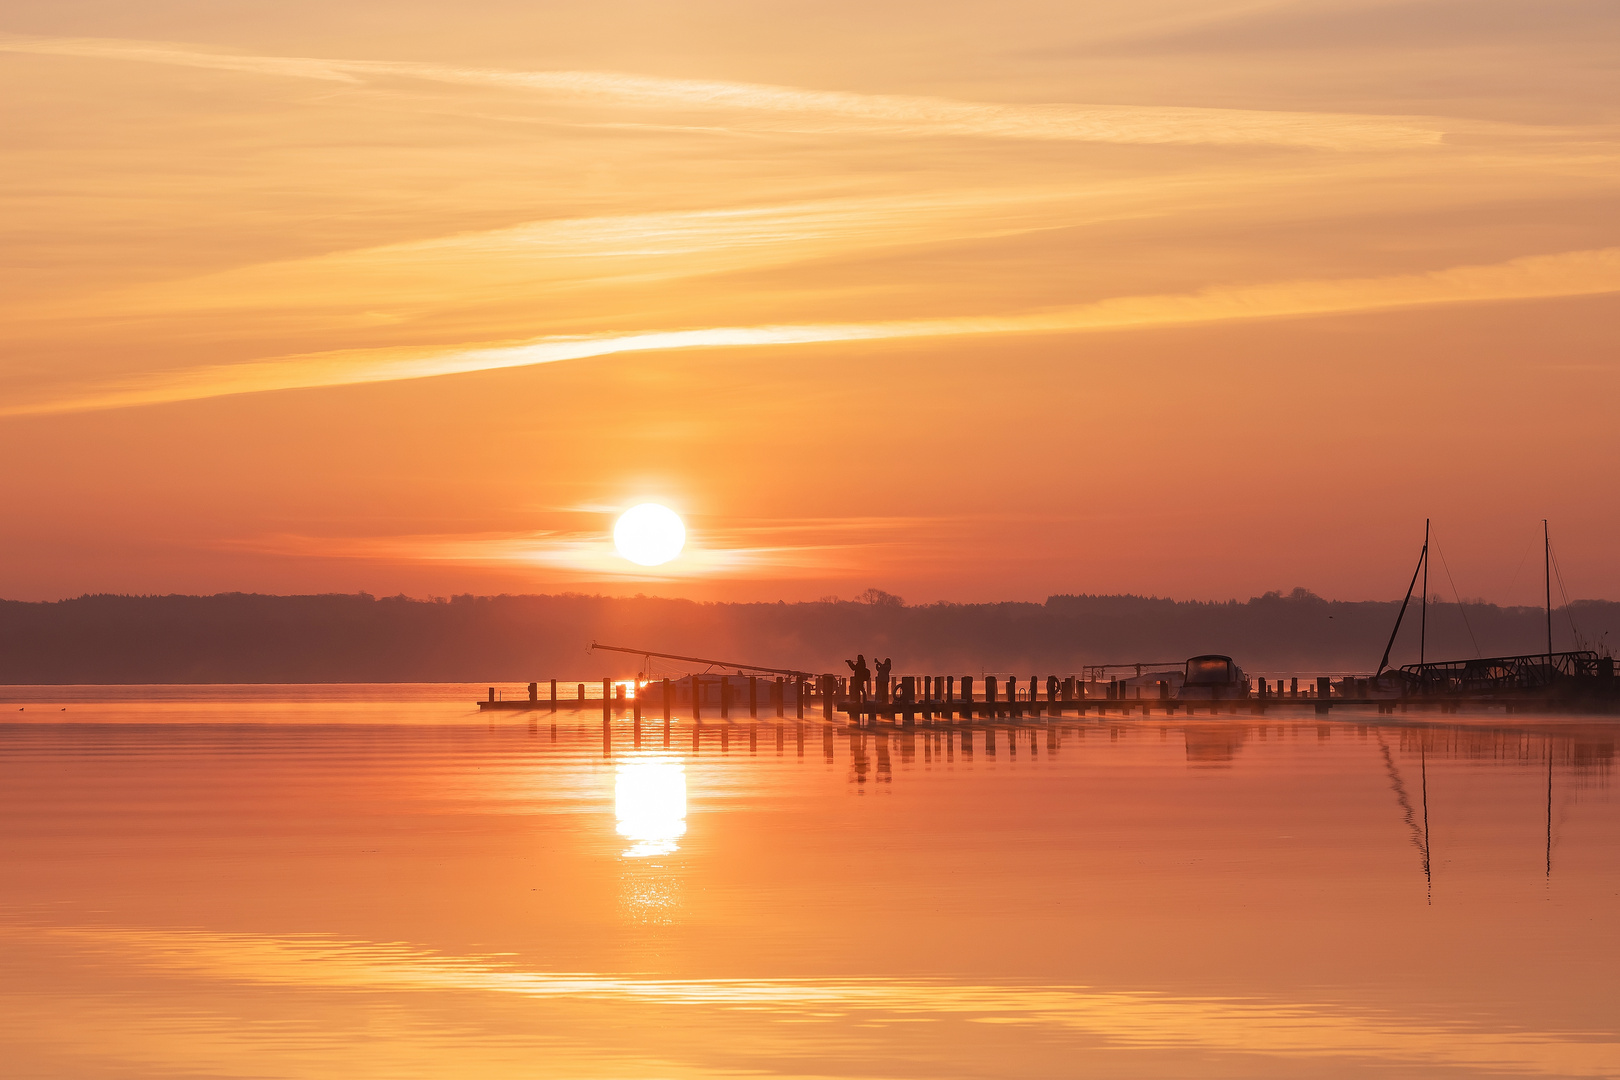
x,y
753,696
798,696
725,697
534,691
492,693
582,695
990,695
553,695
697,700
607,700
781,695
967,697
667,693
950,692
826,698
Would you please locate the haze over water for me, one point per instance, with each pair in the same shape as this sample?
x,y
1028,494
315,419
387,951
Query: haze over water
x,y
370,881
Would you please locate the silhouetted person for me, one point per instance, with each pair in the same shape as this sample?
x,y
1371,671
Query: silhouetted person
x,y
859,676
883,667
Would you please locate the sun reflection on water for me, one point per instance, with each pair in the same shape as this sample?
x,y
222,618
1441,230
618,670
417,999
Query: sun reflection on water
x,y
649,799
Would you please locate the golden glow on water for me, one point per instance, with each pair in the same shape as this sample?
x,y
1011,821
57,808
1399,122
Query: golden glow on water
x,y
494,897
1292,1029
649,799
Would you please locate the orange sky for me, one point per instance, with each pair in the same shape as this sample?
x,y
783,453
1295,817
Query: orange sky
x,y
961,301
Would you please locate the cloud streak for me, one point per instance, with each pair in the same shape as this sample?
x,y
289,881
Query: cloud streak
x,y
792,109
589,555
1575,273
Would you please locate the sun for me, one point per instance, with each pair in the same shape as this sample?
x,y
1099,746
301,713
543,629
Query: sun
x,y
649,534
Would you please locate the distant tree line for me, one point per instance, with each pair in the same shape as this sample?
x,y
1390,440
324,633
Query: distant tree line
x,y
237,637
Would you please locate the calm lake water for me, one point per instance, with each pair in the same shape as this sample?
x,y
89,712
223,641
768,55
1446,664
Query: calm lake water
x,y
381,882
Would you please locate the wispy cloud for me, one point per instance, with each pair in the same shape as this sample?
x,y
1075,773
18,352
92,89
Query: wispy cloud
x,y
1574,273
777,549
812,111
579,252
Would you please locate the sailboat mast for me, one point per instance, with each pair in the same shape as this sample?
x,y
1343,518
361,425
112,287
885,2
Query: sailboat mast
x,y
1423,612
1546,573
1423,561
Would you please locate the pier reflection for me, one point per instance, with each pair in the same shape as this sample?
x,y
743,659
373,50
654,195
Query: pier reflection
x,y
1214,745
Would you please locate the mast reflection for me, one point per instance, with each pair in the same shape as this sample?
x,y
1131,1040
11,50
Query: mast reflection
x,y
649,799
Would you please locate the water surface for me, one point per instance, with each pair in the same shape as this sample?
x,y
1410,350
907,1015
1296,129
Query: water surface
x,y
354,881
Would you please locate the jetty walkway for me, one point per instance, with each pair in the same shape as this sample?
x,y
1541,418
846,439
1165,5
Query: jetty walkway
x,y
932,699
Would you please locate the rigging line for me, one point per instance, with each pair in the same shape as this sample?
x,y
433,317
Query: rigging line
x,y
1559,574
1460,609
1514,580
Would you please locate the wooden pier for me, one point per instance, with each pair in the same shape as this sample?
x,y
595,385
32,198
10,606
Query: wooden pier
x,y
933,699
